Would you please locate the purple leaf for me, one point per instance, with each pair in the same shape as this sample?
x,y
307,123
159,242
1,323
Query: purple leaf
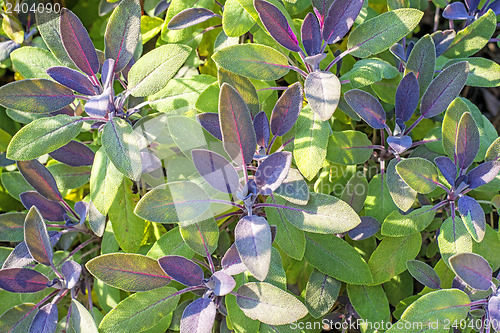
x,y
161,7
221,283
367,228
6,48
74,154
407,97
472,4
261,127
22,280
67,110
456,11
71,271
322,90
231,262
424,273
98,106
238,135
150,162
473,217
495,6
198,316
189,17
472,269
107,76
72,79
367,107
81,209
51,210
210,122
483,174
399,51
400,144
494,311
444,89
77,43
467,143
447,168
321,9
45,320
277,25
458,283
36,237
21,257
311,35
287,109
182,270
272,171
340,19
442,40
38,176
216,170
253,241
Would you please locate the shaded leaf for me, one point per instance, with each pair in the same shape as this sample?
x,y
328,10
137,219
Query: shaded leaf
x,y
473,217
71,271
231,262
321,293
272,171
81,320
424,273
22,280
420,174
483,174
210,122
50,210
340,19
367,228
322,90
447,168
370,302
45,320
367,107
355,191
216,170
467,141
472,269
38,176
261,128
406,97
244,86
294,188
422,61
286,111
189,17
348,148
182,270
11,227
74,154
311,34
199,316
36,238
201,237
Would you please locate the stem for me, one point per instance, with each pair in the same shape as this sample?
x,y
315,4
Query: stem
x,y
343,54
65,204
204,31
408,130
94,119
424,142
268,150
78,248
226,215
494,40
209,256
298,70
345,81
228,202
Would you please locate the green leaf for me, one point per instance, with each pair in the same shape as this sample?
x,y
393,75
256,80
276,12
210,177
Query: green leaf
x,y
370,302
253,60
390,257
18,319
127,271
150,27
170,244
276,275
453,238
398,225
11,227
482,72
236,21
474,37
420,174
235,316
68,177
13,28
33,62
321,293
294,188
244,86
348,148
379,33
152,72
493,152
269,304
4,140
311,140
36,237
43,136
15,184
378,202
140,311
105,181
422,62
366,72
201,236
402,194
450,125
335,257
129,229
120,144
81,319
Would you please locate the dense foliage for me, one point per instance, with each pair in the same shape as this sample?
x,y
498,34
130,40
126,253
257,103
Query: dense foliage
x,y
248,166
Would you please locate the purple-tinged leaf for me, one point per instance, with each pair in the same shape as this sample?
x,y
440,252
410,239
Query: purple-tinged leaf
x,y
311,35
367,107
322,90
238,135
71,271
199,316
74,154
422,62
419,174
277,25
182,270
456,11
72,79
11,227
424,274
107,76
189,17
458,283
161,7
81,209
367,228
122,33
272,171
129,272
314,60
287,109
37,238
216,170
472,269
294,188
35,96
473,217
444,89
98,106
22,280
483,174
77,43
399,144
45,320
472,4
38,176
467,141
495,6
253,241
231,262
210,122
21,257
221,283
320,8
442,40
51,210
340,19
67,110
150,162
398,50
447,168
261,127
494,311
407,97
